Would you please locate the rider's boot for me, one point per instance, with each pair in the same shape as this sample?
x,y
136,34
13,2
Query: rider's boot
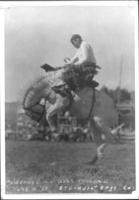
x,y
64,90
93,83
59,89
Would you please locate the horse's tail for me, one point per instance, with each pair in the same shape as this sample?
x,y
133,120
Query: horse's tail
x,y
32,97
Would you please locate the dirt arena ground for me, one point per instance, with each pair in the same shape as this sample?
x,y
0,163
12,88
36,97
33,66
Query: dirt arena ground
x,y
44,167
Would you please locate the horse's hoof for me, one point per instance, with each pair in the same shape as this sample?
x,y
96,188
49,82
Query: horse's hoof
x,y
92,162
100,156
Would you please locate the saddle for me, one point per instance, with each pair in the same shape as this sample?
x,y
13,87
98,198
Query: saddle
x,y
65,90
76,77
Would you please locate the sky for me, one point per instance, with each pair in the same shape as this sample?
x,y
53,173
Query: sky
x,y
38,35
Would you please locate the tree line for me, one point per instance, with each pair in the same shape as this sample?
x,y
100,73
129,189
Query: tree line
x,y
119,95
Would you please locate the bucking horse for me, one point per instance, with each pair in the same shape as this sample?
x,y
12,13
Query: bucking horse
x,y
95,108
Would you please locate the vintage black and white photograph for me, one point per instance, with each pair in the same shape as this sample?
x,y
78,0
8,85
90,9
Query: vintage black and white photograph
x,y
70,99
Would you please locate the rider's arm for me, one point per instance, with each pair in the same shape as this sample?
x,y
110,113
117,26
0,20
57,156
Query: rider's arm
x,y
85,54
73,60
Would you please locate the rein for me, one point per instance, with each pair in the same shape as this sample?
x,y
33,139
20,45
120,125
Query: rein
x,y
92,105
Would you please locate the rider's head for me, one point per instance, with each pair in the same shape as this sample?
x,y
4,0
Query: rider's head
x,y
76,40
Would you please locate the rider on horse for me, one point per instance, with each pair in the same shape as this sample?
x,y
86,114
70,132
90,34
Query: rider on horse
x,y
82,67
84,52
79,72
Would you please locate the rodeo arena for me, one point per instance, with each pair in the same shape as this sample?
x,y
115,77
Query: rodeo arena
x,y
86,146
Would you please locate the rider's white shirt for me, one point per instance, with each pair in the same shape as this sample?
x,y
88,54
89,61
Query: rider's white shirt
x,y
85,54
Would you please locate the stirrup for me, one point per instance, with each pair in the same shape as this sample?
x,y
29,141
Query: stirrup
x,y
60,90
57,88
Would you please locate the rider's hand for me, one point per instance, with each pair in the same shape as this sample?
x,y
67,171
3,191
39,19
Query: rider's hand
x,y
76,98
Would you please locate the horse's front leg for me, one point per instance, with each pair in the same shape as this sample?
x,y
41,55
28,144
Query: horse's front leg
x,y
51,111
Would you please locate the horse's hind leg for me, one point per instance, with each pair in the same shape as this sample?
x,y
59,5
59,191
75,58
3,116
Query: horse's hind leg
x,y
101,134
100,150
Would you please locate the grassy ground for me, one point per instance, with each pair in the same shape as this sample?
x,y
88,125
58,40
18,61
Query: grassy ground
x,y
42,167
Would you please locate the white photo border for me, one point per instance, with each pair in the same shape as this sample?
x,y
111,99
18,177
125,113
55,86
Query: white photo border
x,y
5,5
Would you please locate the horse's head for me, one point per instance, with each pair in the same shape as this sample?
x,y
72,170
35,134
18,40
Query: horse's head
x,y
38,90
